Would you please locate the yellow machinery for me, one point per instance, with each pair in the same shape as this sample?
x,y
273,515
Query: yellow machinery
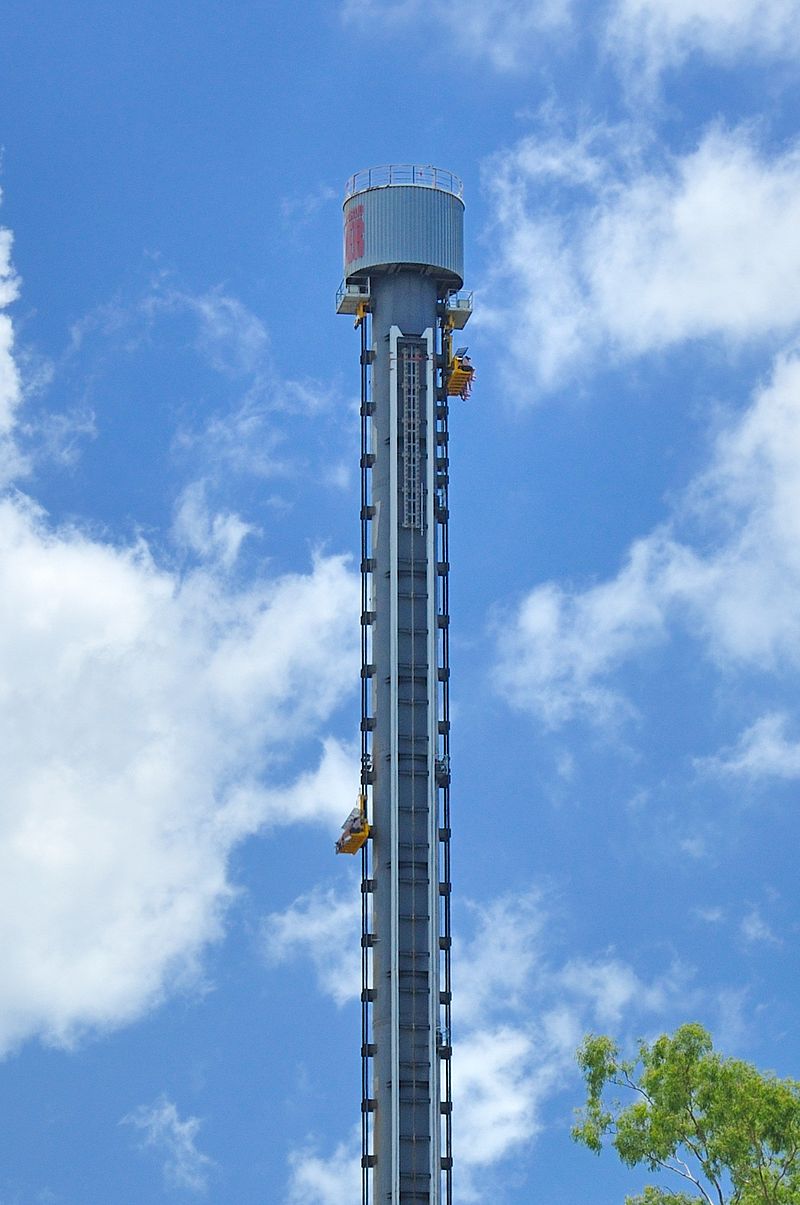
x,y
460,372
355,829
362,309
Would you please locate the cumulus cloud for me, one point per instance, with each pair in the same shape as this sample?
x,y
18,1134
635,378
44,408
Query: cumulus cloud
x,y
755,930
163,1130
505,946
324,793
497,1094
233,339
643,38
606,250
504,32
245,418
505,1061
559,647
324,927
11,463
242,437
521,1016
613,989
298,210
145,719
9,376
213,536
148,717
762,751
650,36
735,591
331,1180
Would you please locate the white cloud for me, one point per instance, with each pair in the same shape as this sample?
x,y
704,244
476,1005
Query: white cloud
x,y
605,252
652,35
643,37
612,988
58,438
496,1096
335,1180
147,719
731,1029
762,751
520,1016
736,593
244,422
323,926
232,338
558,646
695,847
504,947
211,536
235,343
507,33
162,1129
10,385
143,716
754,929
326,793
9,377
299,210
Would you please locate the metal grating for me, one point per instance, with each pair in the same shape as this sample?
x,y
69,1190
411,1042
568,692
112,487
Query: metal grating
x,y
412,361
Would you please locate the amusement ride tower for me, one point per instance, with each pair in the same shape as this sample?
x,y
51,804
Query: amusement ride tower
x,y
403,266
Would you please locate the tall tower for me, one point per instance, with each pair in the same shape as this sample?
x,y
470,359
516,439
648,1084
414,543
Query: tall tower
x,y
403,264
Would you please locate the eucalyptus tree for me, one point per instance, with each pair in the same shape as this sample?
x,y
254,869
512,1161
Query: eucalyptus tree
x,y
716,1129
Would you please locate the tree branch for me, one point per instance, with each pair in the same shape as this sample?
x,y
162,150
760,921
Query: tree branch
x,y
790,1158
627,1082
686,1174
705,1158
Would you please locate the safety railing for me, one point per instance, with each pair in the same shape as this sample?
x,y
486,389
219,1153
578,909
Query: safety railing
x,y
394,174
350,296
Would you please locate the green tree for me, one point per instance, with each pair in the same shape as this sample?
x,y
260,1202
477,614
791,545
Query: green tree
x,y
728,1130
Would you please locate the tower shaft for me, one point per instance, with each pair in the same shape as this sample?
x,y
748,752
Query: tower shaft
x,y
404,802
402,265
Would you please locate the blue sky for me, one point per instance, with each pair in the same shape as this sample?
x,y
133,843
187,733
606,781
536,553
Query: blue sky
x,y
178,532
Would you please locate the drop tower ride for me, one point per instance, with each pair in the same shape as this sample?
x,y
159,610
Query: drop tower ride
x,y
403,267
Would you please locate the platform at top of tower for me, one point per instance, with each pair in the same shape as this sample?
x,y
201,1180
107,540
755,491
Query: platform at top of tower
x,y
389,175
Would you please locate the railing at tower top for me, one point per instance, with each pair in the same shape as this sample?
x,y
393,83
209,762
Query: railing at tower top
x,y
390,175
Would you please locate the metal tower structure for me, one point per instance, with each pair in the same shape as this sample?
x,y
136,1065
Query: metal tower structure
x,y
403,265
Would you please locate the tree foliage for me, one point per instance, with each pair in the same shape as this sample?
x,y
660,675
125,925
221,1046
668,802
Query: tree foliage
x,y
730,1132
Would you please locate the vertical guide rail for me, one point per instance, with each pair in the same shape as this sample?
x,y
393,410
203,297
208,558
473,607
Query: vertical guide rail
x,y
441,514
367,772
